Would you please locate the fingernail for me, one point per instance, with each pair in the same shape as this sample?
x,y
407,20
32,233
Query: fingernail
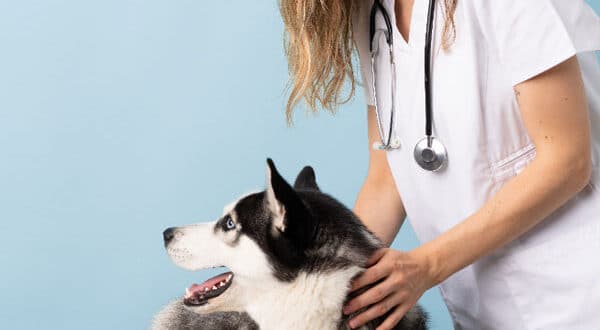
x,y
346,309
351,324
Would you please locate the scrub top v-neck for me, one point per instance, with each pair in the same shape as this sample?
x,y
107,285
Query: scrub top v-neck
x,y
529,283
414,12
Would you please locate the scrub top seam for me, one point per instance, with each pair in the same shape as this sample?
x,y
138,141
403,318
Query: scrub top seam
x,y
450,308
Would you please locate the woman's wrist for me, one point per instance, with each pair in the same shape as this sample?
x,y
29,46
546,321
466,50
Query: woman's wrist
x,y
430,261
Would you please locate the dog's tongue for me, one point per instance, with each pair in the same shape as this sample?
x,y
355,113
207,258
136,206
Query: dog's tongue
x,y
208,284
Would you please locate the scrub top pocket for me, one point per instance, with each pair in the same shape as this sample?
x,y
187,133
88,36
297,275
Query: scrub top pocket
x,y
512,164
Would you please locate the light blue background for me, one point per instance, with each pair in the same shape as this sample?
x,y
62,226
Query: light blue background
x,y
121,118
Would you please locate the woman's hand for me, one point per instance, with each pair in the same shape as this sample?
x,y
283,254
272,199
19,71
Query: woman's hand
x,y
406,277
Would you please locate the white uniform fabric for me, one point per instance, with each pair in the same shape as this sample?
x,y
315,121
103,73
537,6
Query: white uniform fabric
x,y
549,278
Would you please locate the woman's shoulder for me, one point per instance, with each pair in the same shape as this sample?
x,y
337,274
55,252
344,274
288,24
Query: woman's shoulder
x,y
507,20
531,36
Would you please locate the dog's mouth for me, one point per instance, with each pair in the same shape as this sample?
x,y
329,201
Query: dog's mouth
x,y
199,294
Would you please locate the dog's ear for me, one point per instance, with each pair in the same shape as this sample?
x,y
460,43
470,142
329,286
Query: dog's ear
x,y
291,217
306,179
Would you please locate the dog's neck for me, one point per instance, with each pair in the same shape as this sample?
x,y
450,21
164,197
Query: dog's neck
x,y
311,299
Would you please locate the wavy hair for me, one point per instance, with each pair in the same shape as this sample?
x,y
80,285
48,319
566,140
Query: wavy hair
x,y
319,45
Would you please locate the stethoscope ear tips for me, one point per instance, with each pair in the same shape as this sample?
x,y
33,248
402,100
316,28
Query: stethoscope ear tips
x,y
378,146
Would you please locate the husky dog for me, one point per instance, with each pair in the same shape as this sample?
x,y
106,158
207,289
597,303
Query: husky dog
x,y
292,253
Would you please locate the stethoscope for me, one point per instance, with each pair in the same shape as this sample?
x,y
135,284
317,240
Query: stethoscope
x,y
429,151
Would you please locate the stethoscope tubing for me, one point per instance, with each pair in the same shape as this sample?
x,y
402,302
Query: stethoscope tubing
x,y
377,6
429,152
427,61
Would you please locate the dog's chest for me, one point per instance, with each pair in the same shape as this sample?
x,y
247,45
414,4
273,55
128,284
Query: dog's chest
x,y
312,299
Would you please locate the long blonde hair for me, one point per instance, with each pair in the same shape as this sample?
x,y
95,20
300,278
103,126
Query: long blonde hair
x,y
319,45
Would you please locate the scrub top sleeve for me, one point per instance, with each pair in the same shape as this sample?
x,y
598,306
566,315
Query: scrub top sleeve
x,y
360,30
532,36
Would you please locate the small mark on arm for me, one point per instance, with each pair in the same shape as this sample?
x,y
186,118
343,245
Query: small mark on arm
x,y
517,94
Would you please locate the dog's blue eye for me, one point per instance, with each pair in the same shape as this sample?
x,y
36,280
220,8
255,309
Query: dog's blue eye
x,y
230,224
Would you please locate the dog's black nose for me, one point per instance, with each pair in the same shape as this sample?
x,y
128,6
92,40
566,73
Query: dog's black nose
x,y
168,235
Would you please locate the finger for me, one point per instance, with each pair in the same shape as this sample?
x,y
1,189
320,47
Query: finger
x,y
392,320
376,310
378,254
371,275
371,296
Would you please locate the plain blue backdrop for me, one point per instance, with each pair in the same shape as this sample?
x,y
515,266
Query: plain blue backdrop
x,y
121,118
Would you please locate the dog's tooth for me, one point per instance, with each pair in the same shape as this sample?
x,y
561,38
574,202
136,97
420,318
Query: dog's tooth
x,y
206,289
214,287
221,284
229,277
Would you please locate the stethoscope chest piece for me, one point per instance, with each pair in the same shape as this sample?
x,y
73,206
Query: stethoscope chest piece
x,y
430,153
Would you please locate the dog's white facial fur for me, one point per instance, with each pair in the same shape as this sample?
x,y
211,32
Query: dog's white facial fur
x,y
201,246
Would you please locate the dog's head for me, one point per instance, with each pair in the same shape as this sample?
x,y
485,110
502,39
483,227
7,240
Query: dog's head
x,y
268,237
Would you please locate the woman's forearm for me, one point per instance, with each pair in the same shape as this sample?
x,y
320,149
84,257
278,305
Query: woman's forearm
x,y
380,208
519,205
378,203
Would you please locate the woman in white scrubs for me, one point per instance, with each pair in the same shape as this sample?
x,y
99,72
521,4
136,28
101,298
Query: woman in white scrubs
x,y
510,228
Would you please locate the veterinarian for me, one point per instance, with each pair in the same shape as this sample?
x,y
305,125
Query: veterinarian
x,y
509,215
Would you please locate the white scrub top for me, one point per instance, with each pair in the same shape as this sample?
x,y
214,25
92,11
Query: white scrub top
x,y
548,278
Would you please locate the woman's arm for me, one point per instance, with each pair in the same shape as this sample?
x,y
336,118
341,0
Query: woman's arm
x,y
554,111
378,204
